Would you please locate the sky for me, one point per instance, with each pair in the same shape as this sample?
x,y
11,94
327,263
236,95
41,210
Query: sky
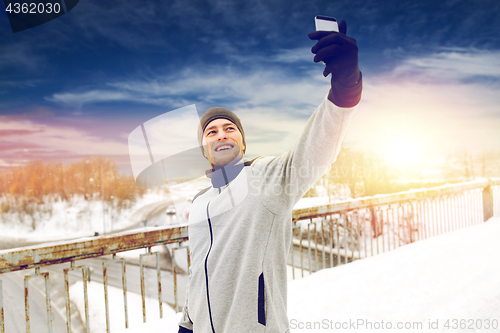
x,y
80,84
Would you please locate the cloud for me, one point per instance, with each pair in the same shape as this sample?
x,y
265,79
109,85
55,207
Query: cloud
x,y
25,140
296,56
21,56
260,86
130,24
92,96
5,164
293,56
7,146
18,132
456,64
270,133
260,92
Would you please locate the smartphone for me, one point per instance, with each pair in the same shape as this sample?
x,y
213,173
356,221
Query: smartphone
x,y
325,23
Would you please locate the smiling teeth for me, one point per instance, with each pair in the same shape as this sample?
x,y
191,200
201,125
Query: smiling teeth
x,y
224,147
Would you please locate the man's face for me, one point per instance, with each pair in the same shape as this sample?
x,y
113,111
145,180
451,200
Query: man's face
x,y
223,141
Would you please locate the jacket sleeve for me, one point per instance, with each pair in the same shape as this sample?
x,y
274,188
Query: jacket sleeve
x,y
286,178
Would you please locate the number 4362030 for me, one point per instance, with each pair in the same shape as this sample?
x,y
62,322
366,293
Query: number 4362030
x,y
33,8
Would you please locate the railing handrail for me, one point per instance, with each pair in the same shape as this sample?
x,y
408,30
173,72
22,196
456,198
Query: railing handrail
x,y
385,199
88,247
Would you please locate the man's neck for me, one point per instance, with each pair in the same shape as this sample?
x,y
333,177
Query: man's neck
x,y
223,175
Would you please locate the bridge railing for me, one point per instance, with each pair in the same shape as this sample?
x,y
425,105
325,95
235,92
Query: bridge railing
x,y
330,235
323,236
69,252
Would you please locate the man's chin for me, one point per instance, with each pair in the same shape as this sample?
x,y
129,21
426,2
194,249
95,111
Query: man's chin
x,y
221,161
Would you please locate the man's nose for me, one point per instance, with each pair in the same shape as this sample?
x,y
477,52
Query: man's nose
x,y
221,136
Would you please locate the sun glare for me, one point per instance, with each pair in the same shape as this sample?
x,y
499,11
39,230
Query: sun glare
x,y
402,151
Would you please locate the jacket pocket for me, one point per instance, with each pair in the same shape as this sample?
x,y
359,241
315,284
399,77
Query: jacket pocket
x,y
261,301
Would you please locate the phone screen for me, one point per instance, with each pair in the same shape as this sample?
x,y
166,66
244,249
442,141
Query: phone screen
x,y
325,23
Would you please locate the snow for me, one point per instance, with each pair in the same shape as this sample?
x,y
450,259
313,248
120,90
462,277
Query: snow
x,y
74,218
134,254
311,202
97,309
445,277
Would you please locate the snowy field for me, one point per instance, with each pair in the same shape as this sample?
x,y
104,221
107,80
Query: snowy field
x,y
437,285
74,218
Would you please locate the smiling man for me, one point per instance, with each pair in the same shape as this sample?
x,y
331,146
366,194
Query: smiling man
x,y
222,134
240,229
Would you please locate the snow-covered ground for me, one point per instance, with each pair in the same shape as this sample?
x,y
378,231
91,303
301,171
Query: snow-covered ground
x,y
74,218
97,309
447,283
433,282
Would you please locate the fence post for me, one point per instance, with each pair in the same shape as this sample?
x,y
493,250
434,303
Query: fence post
x,y
373,222
487,202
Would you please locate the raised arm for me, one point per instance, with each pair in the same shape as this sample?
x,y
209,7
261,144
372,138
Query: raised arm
x,y
288,176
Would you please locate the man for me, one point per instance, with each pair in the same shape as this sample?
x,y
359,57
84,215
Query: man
x,y
240,227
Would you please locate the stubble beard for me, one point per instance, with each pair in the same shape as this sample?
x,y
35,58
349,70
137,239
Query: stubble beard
x,y
221,160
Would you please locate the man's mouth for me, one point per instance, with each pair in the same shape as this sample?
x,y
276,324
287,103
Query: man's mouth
x,y
224,147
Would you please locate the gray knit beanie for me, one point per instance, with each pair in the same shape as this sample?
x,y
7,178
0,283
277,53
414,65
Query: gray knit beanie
x,y
218,113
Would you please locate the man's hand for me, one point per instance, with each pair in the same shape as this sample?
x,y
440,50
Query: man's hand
x,y
339,53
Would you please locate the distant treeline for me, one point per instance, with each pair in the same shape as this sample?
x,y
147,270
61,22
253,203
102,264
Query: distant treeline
x,y
363,172
93,178
367,174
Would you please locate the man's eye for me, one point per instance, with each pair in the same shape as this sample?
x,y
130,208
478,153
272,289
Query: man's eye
x,y
211,132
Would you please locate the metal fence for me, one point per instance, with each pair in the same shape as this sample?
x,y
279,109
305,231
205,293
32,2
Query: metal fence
x,y
327,236
324,236
58,256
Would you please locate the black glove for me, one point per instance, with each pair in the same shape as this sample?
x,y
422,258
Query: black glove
x,y
340,55
184,330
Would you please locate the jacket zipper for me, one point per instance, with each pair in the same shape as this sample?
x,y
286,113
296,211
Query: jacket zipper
x,y
206,268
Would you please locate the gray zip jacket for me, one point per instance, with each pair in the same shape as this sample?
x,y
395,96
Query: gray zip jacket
x,y
240,233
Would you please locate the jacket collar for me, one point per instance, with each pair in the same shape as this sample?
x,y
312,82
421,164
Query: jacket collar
x,y
223,175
